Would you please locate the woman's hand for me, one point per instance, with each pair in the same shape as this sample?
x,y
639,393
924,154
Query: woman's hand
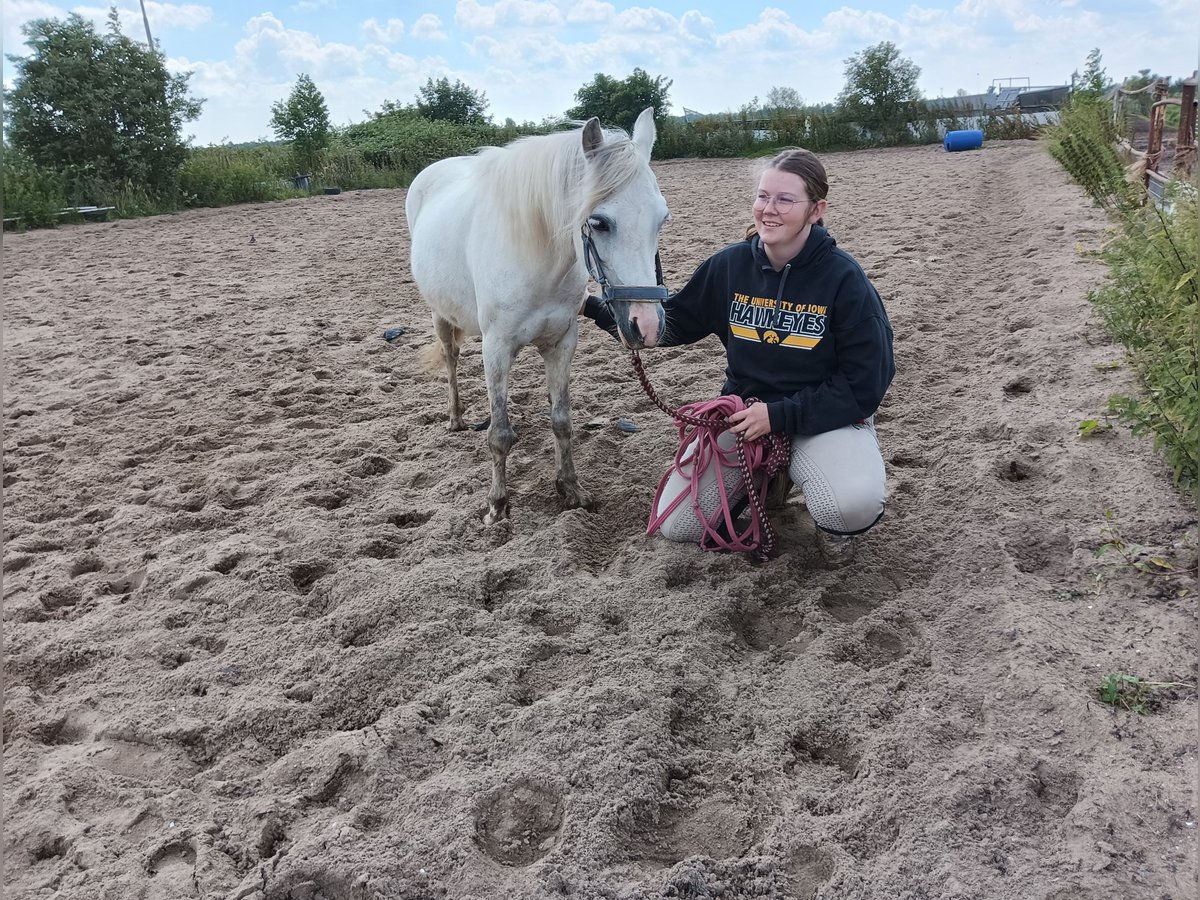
x,y
752,422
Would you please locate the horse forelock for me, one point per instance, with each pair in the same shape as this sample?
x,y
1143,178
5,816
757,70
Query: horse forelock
x,y
546,188
616,163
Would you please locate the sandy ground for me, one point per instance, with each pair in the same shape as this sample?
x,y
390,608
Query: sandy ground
x,y
260,644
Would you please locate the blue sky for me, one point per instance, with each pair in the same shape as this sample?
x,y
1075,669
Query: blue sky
x,y
529,57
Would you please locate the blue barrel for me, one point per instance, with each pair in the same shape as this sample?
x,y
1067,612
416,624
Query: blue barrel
x,y
963,140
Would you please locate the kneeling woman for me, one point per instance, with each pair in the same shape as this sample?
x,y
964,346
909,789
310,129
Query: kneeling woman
x,y
805,333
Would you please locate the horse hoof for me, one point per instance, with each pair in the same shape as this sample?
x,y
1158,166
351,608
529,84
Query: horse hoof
x,y
497,513
574,498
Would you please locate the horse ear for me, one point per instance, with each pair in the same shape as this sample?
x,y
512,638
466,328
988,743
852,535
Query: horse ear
x,y
644,131
593,137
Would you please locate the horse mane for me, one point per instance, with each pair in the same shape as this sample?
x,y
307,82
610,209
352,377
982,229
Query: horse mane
x,y
547,189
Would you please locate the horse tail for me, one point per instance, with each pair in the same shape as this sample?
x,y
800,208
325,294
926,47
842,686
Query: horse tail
x,y
431,359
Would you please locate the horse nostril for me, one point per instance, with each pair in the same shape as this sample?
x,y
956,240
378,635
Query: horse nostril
x,y
634,330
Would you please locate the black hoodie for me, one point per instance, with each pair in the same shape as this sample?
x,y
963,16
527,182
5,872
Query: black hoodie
x,y
812,341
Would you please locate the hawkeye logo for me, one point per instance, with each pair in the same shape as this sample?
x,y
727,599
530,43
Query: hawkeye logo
x,y
799,325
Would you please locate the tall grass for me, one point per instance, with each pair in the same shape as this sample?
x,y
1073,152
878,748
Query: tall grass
x,y
1150,301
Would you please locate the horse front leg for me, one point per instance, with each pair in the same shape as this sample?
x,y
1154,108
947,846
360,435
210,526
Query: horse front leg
x,y
451,340
557,358
497,363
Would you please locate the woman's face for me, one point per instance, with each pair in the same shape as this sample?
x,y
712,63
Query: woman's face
x,y
783,211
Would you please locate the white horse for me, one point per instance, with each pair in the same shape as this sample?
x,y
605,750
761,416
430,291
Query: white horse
x,y
502,243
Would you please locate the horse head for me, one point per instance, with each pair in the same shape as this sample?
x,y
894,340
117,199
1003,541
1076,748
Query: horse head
x,y
620,236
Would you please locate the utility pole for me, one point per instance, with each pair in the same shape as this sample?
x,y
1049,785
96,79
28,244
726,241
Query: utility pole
x,y
146,22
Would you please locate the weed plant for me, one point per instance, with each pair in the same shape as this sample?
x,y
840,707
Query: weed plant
x,y
1134,694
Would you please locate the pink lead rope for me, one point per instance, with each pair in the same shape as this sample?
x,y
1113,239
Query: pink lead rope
x,y
699,425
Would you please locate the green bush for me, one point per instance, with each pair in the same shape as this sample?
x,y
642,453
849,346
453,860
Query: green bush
x,y
407,143
1149,304
1084,142
32,193
1149,301
350,170
219,176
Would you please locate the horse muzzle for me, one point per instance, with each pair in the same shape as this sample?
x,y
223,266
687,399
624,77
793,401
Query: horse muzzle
x,y
638,313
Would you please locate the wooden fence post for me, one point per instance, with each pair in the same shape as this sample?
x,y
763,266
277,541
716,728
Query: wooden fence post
x,y
1185,143
1157,118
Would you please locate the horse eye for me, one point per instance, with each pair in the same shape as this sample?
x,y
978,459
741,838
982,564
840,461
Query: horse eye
x,y
598,223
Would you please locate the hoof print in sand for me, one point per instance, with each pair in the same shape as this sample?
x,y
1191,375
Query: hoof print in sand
x,y
716,828
547,670
808,869
880,647
172,869
1017,387
520,824
765,629
698,723
821,750
175,856
370,466
846,606
304,575
407,520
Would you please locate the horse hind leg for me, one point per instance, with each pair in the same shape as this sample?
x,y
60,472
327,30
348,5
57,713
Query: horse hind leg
x,y
557,358
451,341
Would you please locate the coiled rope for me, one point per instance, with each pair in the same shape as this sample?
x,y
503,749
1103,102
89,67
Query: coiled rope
x,y
699,424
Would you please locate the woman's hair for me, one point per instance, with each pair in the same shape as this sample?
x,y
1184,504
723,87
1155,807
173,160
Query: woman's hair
x,y
805,165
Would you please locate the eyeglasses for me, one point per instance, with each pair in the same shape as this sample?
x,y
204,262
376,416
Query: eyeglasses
x,y
782,203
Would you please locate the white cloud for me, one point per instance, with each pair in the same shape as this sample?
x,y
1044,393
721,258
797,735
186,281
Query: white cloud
x,y
189,16
473,16
589,12
429,28
1176,10
698,27
269,46
982,9
773,32
641,20
388,33
853,26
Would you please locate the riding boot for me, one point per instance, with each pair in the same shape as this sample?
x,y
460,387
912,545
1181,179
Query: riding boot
x,y
778,489
836,549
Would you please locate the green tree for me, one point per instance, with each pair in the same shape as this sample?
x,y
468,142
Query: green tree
x,y
619,102
98,106
881,91
303,119
784,99
1093,80
458,103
